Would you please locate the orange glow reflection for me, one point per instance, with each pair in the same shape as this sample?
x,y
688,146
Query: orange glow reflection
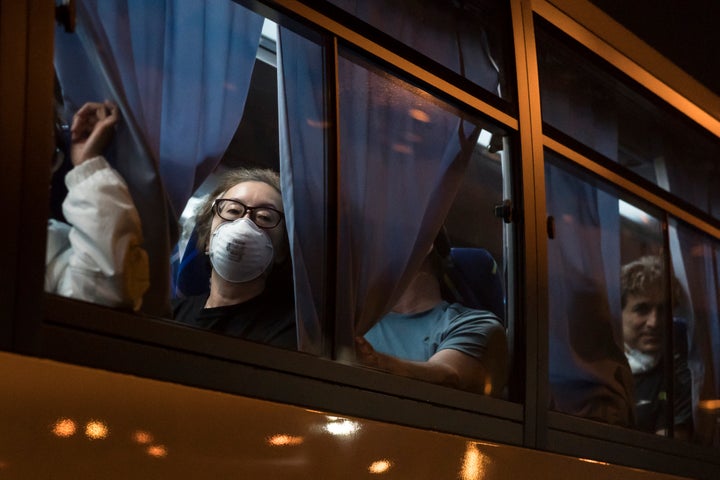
x,y
487,389
412,137
473,466
589,460
282,440
317,123
157,451
419,115
96,430
402,148
380,466
142,437
64,427
709,405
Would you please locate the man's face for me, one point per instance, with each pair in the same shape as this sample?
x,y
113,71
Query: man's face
x,y
643,320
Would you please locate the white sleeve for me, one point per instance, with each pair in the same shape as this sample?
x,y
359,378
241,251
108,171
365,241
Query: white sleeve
x,y
105,262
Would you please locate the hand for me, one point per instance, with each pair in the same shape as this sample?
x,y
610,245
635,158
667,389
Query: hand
x,y
92,130
367,355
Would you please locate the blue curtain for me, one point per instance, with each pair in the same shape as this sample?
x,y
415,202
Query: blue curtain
x,y
402,157
303,125
694,258
180,72
443,31
397,178
589,375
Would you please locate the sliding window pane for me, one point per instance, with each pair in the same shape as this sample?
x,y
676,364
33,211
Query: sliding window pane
x,y
471,38
608,302
586,99
198,189
418,182
697,323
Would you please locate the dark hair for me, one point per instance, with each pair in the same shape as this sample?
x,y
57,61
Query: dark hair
x,y
646,276
228,179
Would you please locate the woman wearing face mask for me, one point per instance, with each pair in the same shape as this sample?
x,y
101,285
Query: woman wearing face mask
x,y
241,228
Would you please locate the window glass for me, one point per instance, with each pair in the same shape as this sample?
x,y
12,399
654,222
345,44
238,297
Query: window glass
x,y
631,334
607,313
471,38
182,216
585,100
697,328
418,183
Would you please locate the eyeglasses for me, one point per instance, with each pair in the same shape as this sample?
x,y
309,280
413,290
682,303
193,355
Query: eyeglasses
x,y
231,210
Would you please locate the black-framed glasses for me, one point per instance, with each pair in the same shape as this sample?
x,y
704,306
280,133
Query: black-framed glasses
x,y
230,210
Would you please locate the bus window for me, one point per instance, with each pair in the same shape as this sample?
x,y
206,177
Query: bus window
x,y
662,380
186,122
226,156
694,261
594,234
178,108
590,103
471,38
282,130
616,310
418,180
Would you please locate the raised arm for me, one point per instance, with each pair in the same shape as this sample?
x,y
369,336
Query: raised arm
x,y
104,261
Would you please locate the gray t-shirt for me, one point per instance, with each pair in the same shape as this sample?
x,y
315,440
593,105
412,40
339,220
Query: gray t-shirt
x,y
419,336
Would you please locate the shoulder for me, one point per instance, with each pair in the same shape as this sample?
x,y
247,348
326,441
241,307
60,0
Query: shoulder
x,y
186,309
456,313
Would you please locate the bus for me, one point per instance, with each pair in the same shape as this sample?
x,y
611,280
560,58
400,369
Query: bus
x,y
495,253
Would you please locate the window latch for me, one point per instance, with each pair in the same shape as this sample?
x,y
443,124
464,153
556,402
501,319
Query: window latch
x,y
504,210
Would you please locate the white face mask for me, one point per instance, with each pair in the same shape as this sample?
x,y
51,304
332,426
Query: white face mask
x,y
240,251
641,362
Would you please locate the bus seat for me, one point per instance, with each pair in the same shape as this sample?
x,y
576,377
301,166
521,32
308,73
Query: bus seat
x,y
471,276
191,275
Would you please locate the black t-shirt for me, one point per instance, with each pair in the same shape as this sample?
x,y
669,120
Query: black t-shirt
x,y
651,397
264,319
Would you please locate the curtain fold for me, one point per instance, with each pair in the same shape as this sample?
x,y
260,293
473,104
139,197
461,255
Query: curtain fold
x,y
695,265
693,260
452,34
402,156
589,375
180,72
303,126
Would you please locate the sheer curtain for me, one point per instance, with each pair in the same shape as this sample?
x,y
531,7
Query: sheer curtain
x,y
402,157
694,258
453,34
402,154
589,375
180,71
303,125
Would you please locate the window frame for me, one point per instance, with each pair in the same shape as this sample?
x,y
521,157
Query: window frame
x,y
56,328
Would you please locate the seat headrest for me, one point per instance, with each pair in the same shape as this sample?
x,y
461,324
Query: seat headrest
x,y
474,278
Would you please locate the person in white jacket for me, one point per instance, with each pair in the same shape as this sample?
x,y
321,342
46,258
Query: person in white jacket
x,y
98,255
